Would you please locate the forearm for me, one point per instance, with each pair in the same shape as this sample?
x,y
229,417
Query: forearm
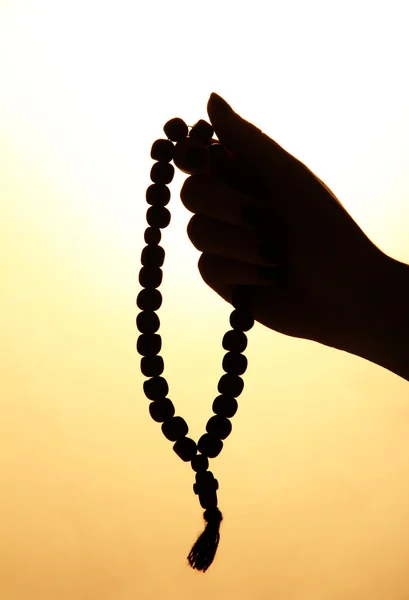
x,y
384,337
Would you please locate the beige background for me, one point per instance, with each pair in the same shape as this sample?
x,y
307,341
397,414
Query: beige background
x,y
314,478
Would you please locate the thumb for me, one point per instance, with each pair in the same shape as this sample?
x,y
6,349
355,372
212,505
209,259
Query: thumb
x,y
248,143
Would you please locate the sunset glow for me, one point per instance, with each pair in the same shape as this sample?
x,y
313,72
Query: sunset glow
x,y
313,480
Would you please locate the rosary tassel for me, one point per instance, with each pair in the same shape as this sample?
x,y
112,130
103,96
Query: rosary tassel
x,y
204,550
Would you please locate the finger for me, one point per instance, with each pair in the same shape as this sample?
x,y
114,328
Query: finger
x,y
207,195
221,272
275,304
248,143
216,237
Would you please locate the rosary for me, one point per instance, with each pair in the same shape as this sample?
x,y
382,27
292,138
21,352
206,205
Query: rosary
x,y
191,151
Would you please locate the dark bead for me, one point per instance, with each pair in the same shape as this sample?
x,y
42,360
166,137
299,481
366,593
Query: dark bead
x,y
176,129
196,158
208,499
235,363
202,130
152,366
150,277
157,194
235,341
152,236
225,406
149,344
191,156
219,159
212,515
243,296
241,319
209,445
200,463
231,385
147,321
206,487
175,428
219,427
162,172
185,448
162,150
152,256
158,216
206,480
149,299
161,410
156,388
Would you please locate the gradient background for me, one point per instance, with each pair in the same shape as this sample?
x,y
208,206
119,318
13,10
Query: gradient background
x,y
314,482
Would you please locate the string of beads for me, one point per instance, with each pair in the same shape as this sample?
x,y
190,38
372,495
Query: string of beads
x,y
190,152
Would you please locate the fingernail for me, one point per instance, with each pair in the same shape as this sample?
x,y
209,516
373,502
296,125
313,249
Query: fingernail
x,y
219,104
269,252
268,273
252,216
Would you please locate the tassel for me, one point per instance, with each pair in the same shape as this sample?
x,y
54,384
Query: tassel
x,y
203,552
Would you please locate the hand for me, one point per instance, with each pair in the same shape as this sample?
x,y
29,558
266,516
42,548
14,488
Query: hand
x,y
323,272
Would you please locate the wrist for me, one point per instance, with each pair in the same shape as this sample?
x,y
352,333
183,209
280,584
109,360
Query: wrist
x,y
384,331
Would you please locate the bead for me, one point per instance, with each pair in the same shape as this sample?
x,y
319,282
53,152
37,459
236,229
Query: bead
x,y
231,385
175,428
243,296
212,515
200,463
207,480
185,448
176,129
161,410
202,130
149,299
162,172
234,363
152,366
235,341
208,499
218,158
152,236
162,150
196,158
241,319
225,406
191,156
219,427
158,216
150,277
206,487
147,321
149,344
152,256
157,194
192,152
156,388
209,445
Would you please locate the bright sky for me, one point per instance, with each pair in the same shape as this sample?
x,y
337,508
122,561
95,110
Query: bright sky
x,y
314,477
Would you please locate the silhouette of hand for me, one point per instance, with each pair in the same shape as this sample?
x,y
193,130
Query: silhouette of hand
x,y
314,270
